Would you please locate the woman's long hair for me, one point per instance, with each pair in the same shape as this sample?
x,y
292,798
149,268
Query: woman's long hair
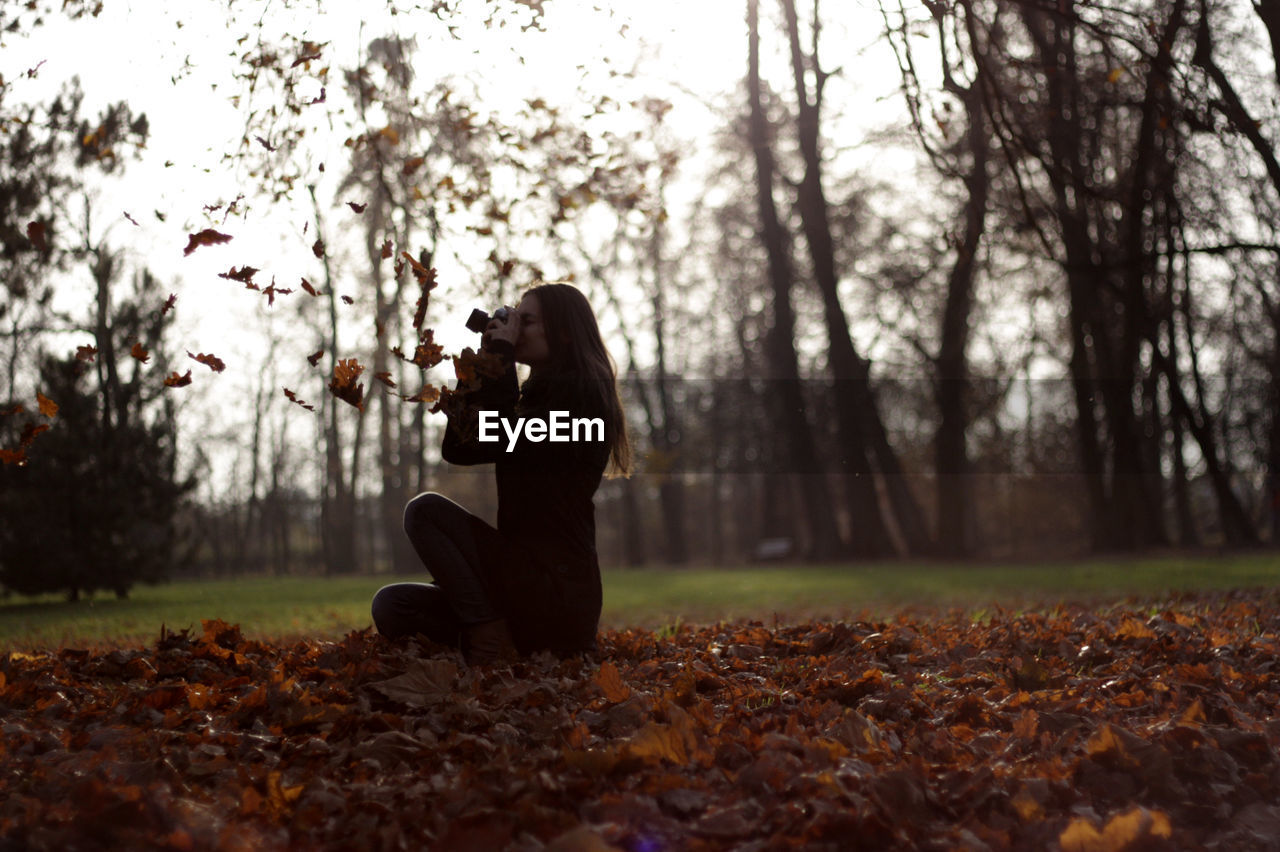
x,y
575,348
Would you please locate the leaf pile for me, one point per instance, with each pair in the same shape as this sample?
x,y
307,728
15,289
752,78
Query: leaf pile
x,y
1071,728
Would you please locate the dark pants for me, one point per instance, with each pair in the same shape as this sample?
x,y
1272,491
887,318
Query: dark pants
x,y
445,537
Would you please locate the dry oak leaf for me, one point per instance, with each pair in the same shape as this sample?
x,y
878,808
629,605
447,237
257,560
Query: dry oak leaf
x,y
176,381
426,682
314,357
609,679
359,208
311,291
386,249
139,352
213,362
385,378
343,384
428,394
169,303
207,237
317,248
86,353
48,407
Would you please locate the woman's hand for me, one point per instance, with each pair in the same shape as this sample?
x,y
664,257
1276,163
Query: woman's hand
x,y
507,328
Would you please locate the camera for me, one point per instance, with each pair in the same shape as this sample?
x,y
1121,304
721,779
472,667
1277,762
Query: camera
x,y
479,320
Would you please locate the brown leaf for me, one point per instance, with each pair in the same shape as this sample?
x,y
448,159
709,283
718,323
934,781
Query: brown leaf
x,y
611,684
343,385
48,407
176,381
426,682
139,352
36,234
207,237
169,303
244,274
359,208
86,353
314,357
317,248
293,397
213,362
311,291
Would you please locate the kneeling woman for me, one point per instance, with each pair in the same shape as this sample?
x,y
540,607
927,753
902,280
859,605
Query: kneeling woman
x,y
534,582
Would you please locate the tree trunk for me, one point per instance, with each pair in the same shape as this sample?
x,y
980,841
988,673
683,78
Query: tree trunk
x,y
790,403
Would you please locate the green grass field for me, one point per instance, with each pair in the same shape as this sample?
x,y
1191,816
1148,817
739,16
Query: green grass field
x,y
294,607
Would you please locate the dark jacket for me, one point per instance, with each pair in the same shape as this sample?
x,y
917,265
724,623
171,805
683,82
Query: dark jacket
x,y
541,572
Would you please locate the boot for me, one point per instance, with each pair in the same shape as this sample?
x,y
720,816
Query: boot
x,y
489,642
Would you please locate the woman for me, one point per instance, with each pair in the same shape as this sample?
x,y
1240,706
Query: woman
x,y
534,582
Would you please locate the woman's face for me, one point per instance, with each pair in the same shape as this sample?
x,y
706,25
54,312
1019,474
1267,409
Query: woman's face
x,y
531,346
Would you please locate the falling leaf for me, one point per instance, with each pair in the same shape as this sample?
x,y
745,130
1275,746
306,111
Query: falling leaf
x,y
311,291
359,208
131,219
385,378
265,144
317,248
213,362
242,274
427,394
386,250
292,397
86,353
169,303
412,164
36,234
139,352
207,237
344,386
348,300
48,407
314,358
176,381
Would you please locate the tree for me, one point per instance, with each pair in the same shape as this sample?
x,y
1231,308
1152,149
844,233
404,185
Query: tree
x,y
99,506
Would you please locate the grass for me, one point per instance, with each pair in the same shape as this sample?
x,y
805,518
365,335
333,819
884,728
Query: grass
x,y
295,607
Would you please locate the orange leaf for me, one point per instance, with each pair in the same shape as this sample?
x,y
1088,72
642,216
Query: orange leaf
x,y
48,407
139,352
86,353
176,381
609,679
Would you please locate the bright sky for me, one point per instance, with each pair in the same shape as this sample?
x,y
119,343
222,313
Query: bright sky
x,y
174,61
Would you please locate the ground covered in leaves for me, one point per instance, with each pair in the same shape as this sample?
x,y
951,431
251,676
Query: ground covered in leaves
x,y
1072,728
